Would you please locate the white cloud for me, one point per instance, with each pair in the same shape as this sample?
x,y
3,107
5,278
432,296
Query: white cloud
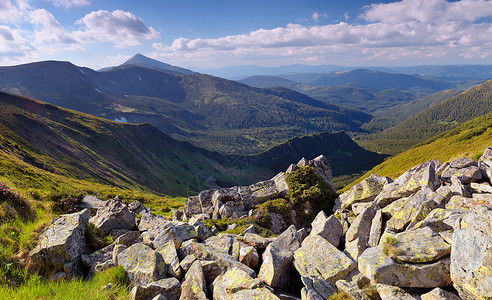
x,y
316,16
122,28
10,13
409,28
69,3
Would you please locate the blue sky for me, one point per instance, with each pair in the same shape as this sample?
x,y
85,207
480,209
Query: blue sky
x,y
204,34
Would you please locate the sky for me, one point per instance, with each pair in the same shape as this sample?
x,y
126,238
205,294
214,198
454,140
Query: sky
x,y
219,33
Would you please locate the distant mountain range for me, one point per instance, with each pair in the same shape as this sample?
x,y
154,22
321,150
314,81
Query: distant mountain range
x,y
144,61
211,112
450,72
67,143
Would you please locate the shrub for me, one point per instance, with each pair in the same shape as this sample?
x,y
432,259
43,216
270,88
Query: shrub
x,y
307,186
13,204
95,238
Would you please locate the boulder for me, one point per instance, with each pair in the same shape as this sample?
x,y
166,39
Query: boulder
x,y
60,246
352,290
328,228
421,245
256,240
388,292
153,224
222,242
114,215
177,214
170,288
281,184
194,286
289,240
357,237
481,187
439,294
249,256
276,267
365,191
205,252
310,294
471,254
261,293
118,248
129,238
380,268
142,264
137,208
322,167
263,191
187,261
320,287
277,223
92,260
485,164
203,232
464,203
418,177
170,257
319,258
92,203
233,281
178,234
376,229
465,169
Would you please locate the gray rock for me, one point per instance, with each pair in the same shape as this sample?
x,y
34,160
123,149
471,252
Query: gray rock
x,y
310,294
352,290
439,294
323,169
91,260
170,288
319,258
365,191
256,241
357,237
322,287
118,248
481,187
230,208
142,264
376,229
277,223
261,293
281,184
233,281
378,267
178,234
60,246
192,206
227,194
485,164
249,256
153,224
194,285
388,292
418,177
177,214
129,238
471,255
170,257
114,215
205,252
421,245
289,240
222,242
457,187
187,262
328,228
465,169
251,229
263,191
92,203
276,267
203,232
137,208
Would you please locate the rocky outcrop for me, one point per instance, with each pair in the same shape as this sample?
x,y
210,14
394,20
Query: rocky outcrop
x,y
114,215
429,228
60,246
471,254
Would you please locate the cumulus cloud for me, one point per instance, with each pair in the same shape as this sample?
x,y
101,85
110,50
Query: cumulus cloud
x,y
69,3
47,35
122,28
425,28
316,16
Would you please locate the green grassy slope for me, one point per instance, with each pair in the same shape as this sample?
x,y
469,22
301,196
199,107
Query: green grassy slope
x,y
83,147
437,118
467,140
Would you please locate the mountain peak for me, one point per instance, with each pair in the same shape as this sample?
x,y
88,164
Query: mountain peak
x,y
144,61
